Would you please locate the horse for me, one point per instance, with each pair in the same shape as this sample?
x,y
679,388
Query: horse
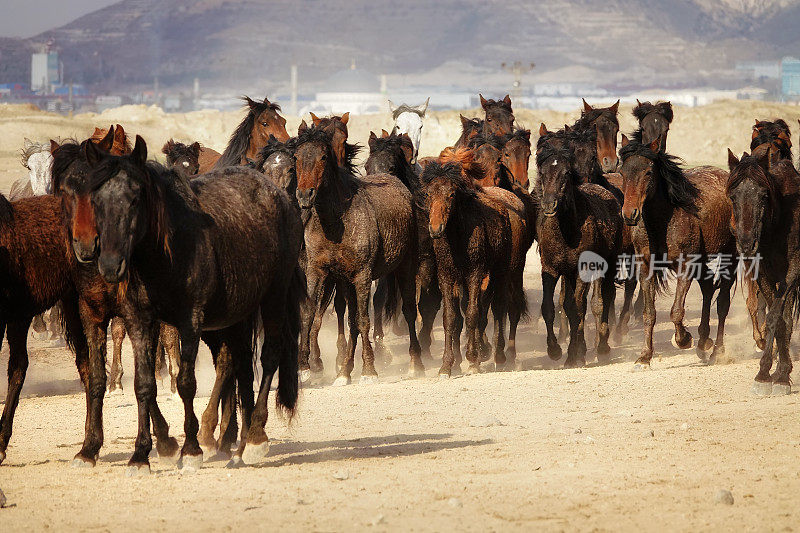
x,y
576,220
654,121
408,119
209,256
498,116
763,189
252,134
483,166
777,132
680,222
470,127
472,242
393,154
37,160
603,120
184,159
516,155
358,230
336,126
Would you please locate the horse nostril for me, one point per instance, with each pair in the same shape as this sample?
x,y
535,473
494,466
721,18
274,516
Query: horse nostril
x,y
96,243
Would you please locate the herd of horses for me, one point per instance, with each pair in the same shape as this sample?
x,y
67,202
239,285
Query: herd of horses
x,y
246,250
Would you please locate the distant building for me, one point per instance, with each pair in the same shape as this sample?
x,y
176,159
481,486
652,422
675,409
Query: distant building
x,y
758,70
355,91
790,77
45,71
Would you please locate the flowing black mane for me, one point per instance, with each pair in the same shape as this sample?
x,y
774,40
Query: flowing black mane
x,y
313,134
518,133
240,138
645,108
393,144
669,175
63,157
768,132
486,138
452,172
588,117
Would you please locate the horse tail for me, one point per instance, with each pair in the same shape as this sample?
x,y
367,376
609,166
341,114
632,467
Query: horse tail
x,y
288,378
392,304
517,302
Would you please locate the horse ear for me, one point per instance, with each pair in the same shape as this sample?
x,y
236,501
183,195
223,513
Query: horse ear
x,y
656,145
314,119
139,154
638,103
252,104
733,162
566,127
97,131
92,154
507,99
464,120
527,135
345,118
424,107
542,130
624,142
615,107
303,127
372,139
483,101
392,107
384,134
107,142
586,107
196,148
54,146
168,146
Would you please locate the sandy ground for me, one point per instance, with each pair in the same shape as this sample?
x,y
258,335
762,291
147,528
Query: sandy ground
x,y
600,448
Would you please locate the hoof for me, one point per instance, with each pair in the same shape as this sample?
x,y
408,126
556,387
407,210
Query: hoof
x,y
115,391
208,451
761,388
168,450
474,369
137,470
674,341
416,373
781,389
305,375
640,367
554,352
757,348
368,380
255,453
189,464
235,462
443,376
341,381
82,462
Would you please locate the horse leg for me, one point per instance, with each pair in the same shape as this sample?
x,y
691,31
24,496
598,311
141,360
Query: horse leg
x,y
308,309
169,339
638,307
473,321
499,311
515,309
17,368
191,453
244,387
408,291
704,343
39,326
682,339
781,383
753,301
596,304
430,300
346,364
115,372
378,305
576,312
160,363
563,325
625,313
647,288
607,294
449,310
224,369
55,322
362,285
549,312
723,306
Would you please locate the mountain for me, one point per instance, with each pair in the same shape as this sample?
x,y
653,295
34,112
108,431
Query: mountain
x,y
224,42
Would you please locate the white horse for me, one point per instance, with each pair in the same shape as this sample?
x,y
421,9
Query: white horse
x,y
408,120
36,157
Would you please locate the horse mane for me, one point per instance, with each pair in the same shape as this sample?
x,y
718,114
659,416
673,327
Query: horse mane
x,y
174,150
767,132
464,158
498,103
645,108
518,133
452,172
273,146
6,210
66,154
240,138
671,180
313,134
588,117
471,124
486,138
750,167
405,108
29,148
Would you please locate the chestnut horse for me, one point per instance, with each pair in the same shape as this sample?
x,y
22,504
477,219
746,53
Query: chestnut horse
x,y
209,256
681,222
358,230
252,134
603,120
764,189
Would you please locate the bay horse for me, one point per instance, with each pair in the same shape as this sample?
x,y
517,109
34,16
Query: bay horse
x,y
408,120
358,230
498,116
654,121
252,134
681,221
483,166
576,220
603,120
764,191
184,159
516,155
472,242
393,154
470,127
776,132
208,256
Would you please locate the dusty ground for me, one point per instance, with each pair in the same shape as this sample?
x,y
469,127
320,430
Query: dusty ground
x,y
600,448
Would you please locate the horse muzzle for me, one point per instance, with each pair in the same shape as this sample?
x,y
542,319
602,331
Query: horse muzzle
x,y
437,232
112,267
84,253
549,209
306,197
633,218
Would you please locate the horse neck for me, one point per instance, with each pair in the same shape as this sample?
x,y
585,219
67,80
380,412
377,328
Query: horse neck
x,y
657,212
334,197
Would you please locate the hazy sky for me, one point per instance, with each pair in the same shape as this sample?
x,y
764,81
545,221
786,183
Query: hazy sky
x,y
25,18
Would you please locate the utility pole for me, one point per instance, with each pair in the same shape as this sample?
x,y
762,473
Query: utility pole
x,y
517,68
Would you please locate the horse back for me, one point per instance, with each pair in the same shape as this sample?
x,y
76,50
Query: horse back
x,y
391,203
713,220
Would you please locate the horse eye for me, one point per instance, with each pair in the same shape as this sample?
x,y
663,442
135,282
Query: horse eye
x,y
324,157
506,154
264,124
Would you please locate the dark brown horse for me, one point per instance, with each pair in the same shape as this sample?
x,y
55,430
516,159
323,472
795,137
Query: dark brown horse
x,y
208,257
470,127
681,221
252,134
358,230
654,121
516,156
182,158
472,242
577,222
603,120
498,116
765,193
775,132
